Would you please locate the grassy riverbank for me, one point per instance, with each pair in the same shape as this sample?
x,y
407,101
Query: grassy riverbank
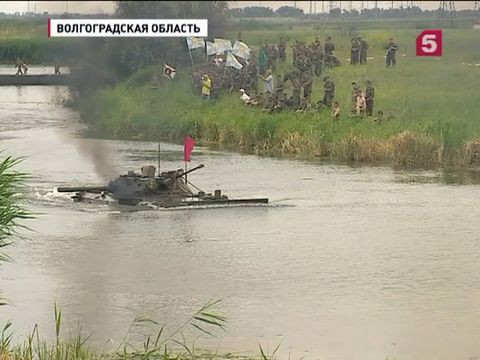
x,y
431,108
152,341
28,39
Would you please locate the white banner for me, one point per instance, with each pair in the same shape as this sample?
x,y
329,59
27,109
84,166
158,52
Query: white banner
x,y
241,49
211,48
223,45
195,42
233,62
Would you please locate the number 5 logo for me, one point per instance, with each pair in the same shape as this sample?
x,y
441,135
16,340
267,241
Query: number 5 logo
x,y
429,43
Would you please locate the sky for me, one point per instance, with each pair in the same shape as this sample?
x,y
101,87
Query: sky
x,y
89,7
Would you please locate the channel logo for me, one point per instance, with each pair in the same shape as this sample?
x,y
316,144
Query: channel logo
x,y
430,43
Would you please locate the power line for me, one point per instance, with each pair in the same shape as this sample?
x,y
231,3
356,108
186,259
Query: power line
x,y
447,9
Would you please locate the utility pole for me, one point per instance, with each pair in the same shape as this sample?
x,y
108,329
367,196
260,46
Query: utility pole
x,y
447,8
447,11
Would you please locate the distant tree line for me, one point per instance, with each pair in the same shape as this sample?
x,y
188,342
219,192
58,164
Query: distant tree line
x,y
290,11
109,60
261,11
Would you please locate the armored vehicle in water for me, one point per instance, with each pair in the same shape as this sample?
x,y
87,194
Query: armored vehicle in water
x,y
168,189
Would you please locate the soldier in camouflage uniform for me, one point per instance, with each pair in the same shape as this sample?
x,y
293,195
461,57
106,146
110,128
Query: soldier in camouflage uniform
x,y
363,50
318,57
282,47
369,96
263,59
355,52
296,90
391,49
228,80
307,82
279,87
305,105
329,88
328,47
273,55
303,63
252,69
295,50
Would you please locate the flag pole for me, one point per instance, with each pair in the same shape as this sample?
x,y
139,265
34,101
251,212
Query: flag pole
x,y
225,71
189,51
158,154
186,182
191,57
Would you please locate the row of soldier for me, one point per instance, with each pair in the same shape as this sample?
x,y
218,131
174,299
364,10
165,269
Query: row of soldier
x,y
358,53
303,56
361,100
308,60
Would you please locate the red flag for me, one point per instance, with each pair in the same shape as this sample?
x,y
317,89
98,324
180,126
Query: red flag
x,y
189,145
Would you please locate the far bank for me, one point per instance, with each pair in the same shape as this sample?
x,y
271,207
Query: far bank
x,y
431,113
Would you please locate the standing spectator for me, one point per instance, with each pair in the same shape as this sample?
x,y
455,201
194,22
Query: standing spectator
x,y
206,87
391,48
361,104
19,66
329,88
363,50
269,85
369,96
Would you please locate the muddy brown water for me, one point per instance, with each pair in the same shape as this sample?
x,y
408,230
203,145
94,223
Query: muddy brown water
x,y
345,263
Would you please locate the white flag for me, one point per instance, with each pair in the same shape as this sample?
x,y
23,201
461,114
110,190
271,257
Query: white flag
x,y
233,62
169,71
195,42
211,48
241,49
223,45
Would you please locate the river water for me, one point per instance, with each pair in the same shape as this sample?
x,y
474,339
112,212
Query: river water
x,y
345,263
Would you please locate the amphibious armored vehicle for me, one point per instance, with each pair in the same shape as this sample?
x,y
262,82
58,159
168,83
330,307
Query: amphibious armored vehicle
x,y
168,189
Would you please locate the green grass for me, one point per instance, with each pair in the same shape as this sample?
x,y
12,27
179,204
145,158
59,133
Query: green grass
x,y
430,101
29,40
158,341
11,211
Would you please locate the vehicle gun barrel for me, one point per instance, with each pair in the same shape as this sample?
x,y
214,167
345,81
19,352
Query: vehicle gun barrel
x,y
189,171
91,189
